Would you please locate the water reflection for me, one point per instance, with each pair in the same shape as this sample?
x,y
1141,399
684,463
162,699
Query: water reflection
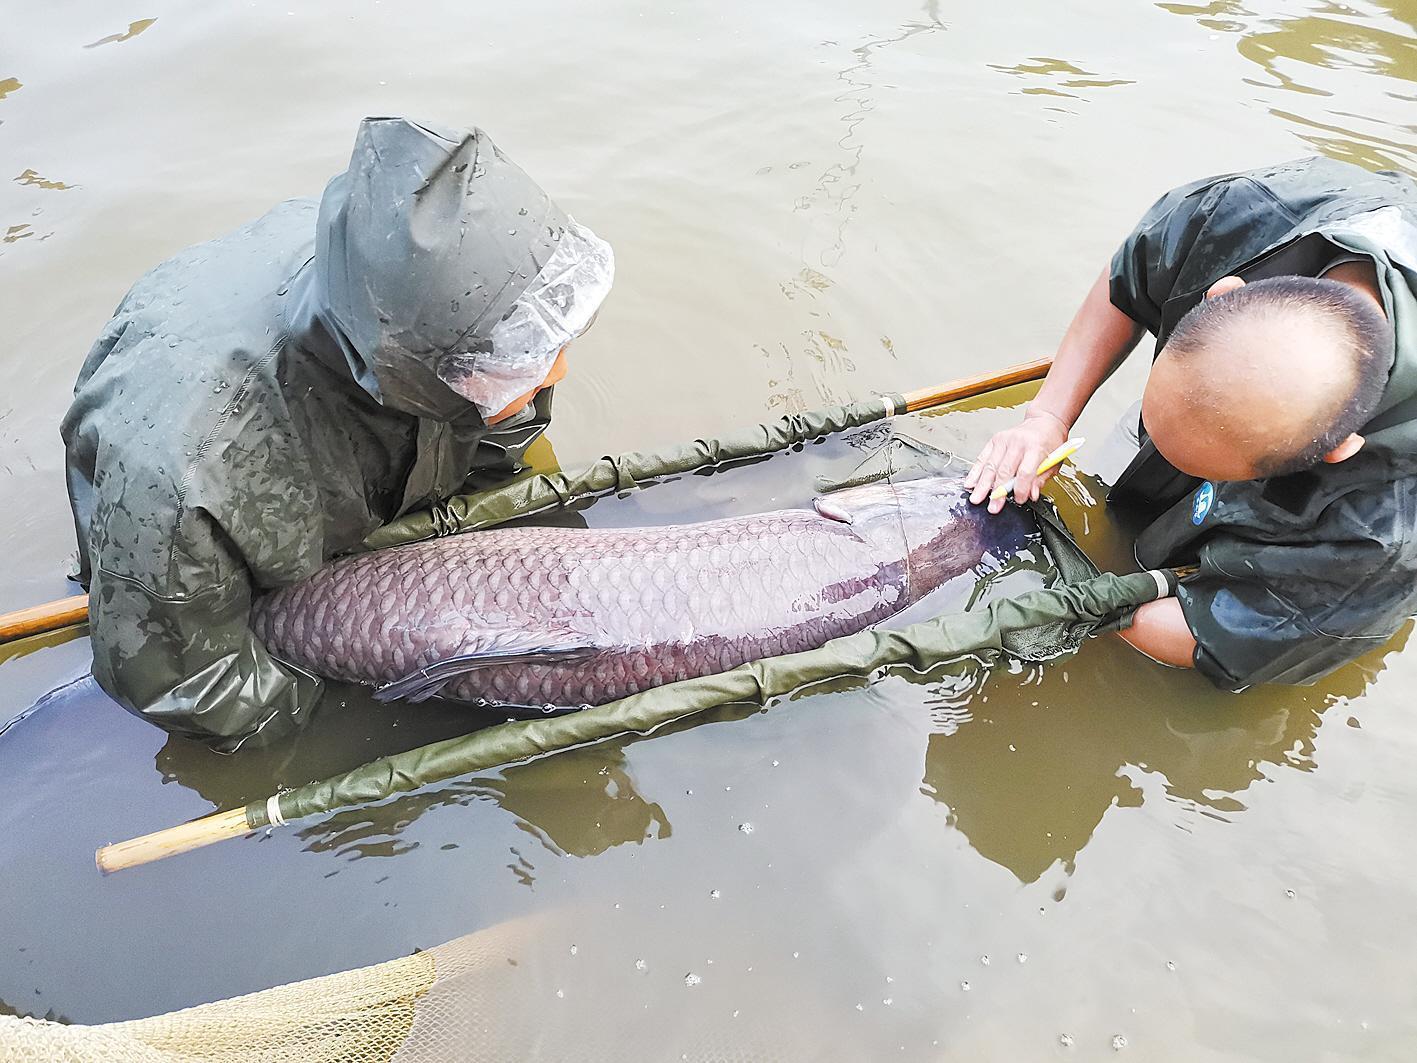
x,y
1308,55
581,802
31,177
1059,72
134,28
1028,767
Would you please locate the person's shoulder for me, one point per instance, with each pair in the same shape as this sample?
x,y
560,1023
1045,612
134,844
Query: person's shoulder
x,y
1384,515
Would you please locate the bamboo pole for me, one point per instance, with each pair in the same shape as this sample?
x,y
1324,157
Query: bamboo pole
x,y
970,386
173,840
38,619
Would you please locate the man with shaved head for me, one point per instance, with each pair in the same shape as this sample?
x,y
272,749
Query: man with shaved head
x,y
1277,437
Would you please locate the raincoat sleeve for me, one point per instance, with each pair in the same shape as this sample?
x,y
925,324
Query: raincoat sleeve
x,y
1293,612
188,661
179,523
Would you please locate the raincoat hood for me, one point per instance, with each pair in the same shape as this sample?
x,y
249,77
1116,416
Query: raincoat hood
x,y
423,245
261,402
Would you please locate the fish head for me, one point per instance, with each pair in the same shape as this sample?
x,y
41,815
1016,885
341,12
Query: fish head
x,y
928,525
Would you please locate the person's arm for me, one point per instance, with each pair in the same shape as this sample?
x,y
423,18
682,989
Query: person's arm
x,y
190,663
1160,631
1098,340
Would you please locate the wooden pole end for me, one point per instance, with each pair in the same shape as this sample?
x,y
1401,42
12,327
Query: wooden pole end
x,y
173,840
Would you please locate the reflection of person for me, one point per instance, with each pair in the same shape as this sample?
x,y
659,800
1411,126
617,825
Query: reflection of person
x,y
1029,788
264,401
1279,422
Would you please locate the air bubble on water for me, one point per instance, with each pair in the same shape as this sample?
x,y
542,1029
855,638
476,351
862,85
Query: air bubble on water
x,y
1170,965
1289,894
1118,1043
746,828
735,1013
574,950
1066,1040
889,979
1023,957
860,1007
774,764
715,894
640,965
561,993
964,986
795,955
984,960
887,1001
692,979
688,793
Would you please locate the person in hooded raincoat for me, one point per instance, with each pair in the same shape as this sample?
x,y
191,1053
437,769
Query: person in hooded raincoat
x,y
1278,431
260,403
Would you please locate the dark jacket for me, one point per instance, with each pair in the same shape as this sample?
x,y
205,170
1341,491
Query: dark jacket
x,y
1298,574
260,403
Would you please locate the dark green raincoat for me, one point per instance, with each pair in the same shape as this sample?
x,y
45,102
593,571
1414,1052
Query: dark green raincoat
x,y
1298,574
260,403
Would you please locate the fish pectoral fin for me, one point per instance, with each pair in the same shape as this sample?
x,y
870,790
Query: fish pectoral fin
x,y
509,648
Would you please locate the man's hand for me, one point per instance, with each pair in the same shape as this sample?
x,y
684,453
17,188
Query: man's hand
x,y
1016,453
1094,345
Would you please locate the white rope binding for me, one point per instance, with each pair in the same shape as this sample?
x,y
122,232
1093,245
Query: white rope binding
x,y
890,405
273,811
1163,585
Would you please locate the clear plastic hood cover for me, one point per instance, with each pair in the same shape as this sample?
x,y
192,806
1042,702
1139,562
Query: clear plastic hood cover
x,y
521,348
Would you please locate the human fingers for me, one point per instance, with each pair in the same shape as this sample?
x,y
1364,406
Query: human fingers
x,y
1042,479
1007,468
1027,475
982,474
985,458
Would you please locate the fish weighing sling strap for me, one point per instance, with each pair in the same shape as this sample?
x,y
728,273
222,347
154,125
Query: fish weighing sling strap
x,y
547,491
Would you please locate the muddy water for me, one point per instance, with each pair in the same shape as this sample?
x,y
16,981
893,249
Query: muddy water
x,y
808,202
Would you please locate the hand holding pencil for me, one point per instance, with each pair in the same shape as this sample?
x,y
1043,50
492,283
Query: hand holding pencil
x,y
1054,459
1009,460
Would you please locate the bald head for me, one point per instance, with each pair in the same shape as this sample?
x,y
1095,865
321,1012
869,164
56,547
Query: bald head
x,y
1268,378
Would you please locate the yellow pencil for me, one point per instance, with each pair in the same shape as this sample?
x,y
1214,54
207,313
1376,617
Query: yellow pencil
x,y
1056,458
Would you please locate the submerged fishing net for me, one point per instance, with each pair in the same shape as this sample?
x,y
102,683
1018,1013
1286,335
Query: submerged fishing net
x,y
454,1001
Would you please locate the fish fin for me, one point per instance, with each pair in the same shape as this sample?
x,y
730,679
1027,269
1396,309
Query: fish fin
x,y
503,648
827,507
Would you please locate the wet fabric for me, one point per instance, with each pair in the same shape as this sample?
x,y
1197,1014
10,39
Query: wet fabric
x,y
262,402
1302,573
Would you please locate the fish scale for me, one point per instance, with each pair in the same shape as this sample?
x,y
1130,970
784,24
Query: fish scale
x,y
638,606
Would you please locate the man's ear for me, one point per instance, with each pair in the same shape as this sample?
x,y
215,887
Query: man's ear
x,y
1223,285
1345,450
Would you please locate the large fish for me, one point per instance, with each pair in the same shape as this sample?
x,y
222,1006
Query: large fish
x,y
545,618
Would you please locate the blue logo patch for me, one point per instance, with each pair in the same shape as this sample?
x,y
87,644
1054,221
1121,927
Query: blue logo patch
x,y
1200,505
